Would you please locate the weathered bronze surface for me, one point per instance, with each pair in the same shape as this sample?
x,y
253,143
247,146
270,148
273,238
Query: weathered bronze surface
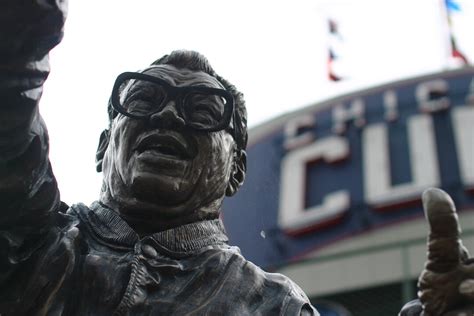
x,y
153,244
446,285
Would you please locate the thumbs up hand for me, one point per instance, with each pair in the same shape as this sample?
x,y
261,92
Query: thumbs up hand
x,y
446,285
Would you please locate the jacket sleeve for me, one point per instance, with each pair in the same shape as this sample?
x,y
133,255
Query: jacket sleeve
x,y
297,303
28,191
412,308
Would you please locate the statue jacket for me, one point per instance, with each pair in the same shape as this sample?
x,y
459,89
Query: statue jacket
x,y
79,260
90,262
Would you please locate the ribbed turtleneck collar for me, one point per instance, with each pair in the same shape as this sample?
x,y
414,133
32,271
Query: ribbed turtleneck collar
x,y
110,227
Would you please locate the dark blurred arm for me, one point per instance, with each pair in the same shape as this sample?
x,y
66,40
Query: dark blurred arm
x,y
28,190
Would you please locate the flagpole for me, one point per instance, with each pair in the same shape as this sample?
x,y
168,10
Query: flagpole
x,y
446,34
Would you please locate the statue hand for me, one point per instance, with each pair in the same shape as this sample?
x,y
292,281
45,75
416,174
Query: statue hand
x,y
447,282
29,30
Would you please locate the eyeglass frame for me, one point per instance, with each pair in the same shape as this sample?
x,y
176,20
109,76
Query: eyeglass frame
x,y
171,94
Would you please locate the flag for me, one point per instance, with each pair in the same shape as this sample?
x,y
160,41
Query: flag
x,y
452,5
333,57
452,8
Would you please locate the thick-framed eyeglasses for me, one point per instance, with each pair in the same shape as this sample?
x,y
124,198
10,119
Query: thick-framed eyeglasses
x,y
139,96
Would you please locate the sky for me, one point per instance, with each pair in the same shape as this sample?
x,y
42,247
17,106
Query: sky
x,y
274,51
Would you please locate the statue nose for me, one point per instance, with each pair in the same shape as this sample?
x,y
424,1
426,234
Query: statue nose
x,y
167,117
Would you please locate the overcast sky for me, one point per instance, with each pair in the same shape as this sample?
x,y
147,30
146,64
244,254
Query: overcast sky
x,y
274,51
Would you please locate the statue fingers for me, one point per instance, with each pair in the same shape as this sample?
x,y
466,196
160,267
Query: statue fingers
x,y
466,288
434,308
445,250
433,304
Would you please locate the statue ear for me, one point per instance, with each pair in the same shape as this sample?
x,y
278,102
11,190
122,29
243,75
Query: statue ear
x,y
237,176
103,143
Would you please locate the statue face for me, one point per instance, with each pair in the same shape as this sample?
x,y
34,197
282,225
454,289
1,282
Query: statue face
x,y
161,165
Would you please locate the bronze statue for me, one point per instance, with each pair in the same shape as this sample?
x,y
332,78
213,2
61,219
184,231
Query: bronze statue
x,y
446,285
153,244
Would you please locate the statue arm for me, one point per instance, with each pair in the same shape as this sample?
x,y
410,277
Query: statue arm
x,y
28,190
446,285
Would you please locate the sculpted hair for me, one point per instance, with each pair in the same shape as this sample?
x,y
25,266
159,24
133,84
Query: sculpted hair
x,y
197,62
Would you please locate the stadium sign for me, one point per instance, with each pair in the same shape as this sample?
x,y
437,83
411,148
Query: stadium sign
x,y
354,163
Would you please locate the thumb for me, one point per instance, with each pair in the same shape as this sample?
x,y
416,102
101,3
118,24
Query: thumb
x,y
444,247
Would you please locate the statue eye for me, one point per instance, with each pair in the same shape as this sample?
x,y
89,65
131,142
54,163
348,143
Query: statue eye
x,y
143,98
204,109
139,107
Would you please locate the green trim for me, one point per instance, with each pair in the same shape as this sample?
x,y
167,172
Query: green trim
x,y
408,292
364,251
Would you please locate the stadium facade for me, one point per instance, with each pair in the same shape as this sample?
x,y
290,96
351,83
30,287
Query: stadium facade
x,y
332,195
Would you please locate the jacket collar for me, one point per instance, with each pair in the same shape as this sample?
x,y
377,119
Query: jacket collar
x,y
112,229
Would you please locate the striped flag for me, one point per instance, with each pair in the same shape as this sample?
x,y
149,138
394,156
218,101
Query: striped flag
x,y
453,8
333,56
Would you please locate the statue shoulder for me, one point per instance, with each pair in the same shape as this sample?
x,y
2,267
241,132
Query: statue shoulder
x,y
276,291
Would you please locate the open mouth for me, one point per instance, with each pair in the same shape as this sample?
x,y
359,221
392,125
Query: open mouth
x,y
167,144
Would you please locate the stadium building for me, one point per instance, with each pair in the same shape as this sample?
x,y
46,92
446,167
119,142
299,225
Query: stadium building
x,y
332,194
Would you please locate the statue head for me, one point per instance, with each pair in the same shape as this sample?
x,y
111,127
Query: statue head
x,y
176,143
